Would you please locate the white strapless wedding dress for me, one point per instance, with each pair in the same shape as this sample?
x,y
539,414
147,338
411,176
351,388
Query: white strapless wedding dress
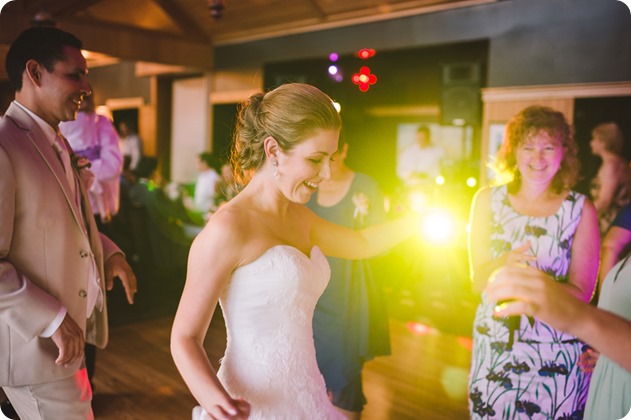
x,y
270,356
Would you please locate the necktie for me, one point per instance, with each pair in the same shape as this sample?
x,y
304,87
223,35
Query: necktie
x,y
94,294
64,156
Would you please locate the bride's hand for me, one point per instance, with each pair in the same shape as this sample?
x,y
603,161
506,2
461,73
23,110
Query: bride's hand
x,y
243,408
229,409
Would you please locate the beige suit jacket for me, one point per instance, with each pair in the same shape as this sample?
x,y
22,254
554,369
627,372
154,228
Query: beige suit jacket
x,y
44,254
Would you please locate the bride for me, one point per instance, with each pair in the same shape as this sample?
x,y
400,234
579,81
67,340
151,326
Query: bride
x,y
262,257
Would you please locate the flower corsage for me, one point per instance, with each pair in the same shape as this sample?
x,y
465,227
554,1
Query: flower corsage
x,y
362,205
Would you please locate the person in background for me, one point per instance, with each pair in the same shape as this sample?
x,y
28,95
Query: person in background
x,y
611,187
203,201
350,323
207,184
262,256
228,187
419,163
531,292
54,264
522,366
130,145
616,242
94,137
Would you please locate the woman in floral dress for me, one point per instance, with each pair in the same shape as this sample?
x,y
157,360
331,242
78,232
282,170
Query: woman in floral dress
x,y
521,367
350,324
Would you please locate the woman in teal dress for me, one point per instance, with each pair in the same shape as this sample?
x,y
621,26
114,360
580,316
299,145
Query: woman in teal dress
x,y
350,324
522,367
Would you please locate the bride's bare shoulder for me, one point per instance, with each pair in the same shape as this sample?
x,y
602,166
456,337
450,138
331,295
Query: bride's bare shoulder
x,y
229,224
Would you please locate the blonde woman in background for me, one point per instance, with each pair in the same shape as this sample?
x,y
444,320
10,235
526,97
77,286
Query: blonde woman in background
x,y
611,187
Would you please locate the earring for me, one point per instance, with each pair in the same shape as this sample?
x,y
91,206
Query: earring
x,y
275,165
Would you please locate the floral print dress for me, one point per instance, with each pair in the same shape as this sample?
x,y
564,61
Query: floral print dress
x,y
522,368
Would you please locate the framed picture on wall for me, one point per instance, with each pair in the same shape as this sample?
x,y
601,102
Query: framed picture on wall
x,y
496,136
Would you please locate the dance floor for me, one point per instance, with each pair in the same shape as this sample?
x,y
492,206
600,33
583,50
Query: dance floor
x,y
424,378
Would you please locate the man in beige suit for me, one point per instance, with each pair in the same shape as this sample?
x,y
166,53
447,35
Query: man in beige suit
x,y
54,264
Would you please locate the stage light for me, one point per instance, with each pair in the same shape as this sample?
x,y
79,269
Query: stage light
x,y
419,328
333,57
335,73
440,180
418,201
364,78
438,227
472,182
366,53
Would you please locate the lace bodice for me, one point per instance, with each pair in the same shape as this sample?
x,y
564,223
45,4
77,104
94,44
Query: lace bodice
x,y
270,356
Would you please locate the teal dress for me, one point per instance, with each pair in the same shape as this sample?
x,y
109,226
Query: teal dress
x,y
350,323
522,368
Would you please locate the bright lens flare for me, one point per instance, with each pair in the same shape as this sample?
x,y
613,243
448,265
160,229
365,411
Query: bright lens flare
x,y
438,227
418,201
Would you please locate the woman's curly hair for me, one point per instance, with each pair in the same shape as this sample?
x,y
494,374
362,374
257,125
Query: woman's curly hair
x,y
527,123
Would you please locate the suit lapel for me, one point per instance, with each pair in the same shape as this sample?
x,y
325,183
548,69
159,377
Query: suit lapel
x,y
48,155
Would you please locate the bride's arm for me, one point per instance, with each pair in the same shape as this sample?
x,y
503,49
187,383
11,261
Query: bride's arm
x,y
342,242
212,258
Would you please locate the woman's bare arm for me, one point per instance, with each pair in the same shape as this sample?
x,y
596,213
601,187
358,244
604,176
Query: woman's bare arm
x,y
213,256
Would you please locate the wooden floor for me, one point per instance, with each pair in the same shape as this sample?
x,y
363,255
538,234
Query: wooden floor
x,y
424,378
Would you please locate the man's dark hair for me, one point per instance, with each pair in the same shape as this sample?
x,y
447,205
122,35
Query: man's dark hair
x,y
42,44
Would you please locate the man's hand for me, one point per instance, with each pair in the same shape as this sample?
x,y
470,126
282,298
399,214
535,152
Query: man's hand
x,y
69,340
116,266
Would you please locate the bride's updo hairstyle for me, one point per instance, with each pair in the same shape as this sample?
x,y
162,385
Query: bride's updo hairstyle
x,y
290,114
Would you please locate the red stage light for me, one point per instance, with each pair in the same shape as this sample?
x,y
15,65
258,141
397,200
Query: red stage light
x,y
366,53
364,78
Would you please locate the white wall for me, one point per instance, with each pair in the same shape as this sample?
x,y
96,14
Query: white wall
x,y
190,132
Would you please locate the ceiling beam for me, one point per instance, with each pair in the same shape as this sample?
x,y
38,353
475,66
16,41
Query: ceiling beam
x,y
63,8
183,21
122,42
318,9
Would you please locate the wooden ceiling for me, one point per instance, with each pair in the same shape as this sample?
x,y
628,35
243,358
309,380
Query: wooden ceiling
x,y
183,32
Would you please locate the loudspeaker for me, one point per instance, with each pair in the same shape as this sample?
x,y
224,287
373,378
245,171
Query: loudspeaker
x,y
460,101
